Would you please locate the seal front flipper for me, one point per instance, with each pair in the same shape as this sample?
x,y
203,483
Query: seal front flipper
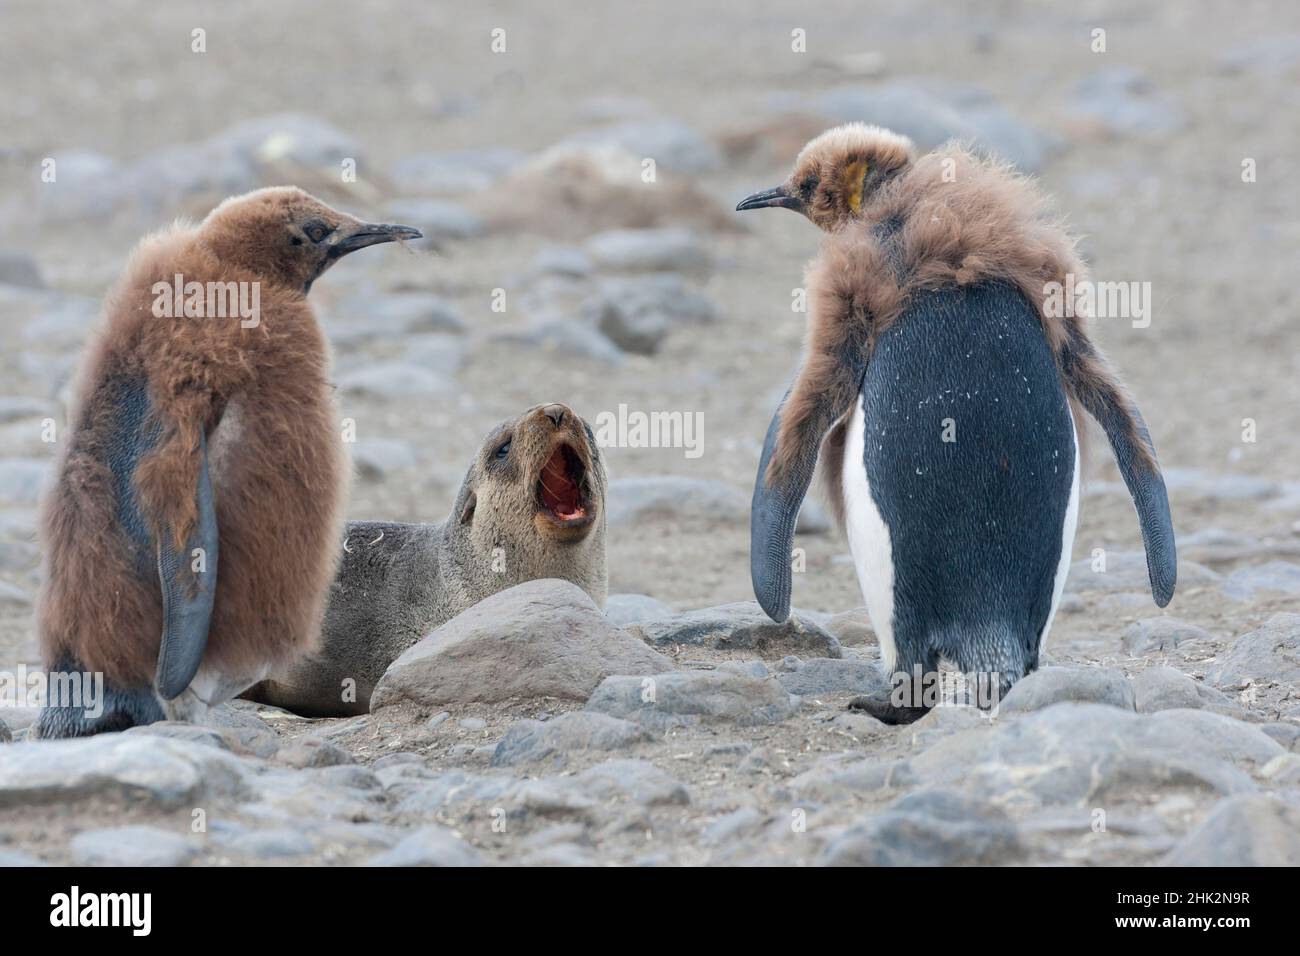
x,y
188,581
1104,398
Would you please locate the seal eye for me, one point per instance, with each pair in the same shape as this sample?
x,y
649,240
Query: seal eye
x,y
502,451
316,231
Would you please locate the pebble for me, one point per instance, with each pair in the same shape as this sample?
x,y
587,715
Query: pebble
x,y
133,846
743,626
1269,654
684,698
557,740
429,846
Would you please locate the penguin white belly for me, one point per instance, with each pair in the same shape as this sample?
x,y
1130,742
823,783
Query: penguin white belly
x,y
869,539
1067,542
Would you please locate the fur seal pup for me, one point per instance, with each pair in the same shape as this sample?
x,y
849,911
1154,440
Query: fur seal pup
x,y
949,385
532,505
192,531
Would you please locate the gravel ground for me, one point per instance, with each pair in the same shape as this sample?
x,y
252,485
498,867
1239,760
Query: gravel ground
x,y
1178,727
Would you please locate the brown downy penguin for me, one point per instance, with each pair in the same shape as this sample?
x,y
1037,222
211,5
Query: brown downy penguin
x,y
946,387
532,505
194,525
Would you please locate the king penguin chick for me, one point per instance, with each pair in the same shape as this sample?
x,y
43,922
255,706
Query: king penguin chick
x,y
194,526
942,386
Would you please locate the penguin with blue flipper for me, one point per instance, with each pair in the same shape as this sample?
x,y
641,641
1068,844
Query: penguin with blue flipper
x,y
195,520
942,389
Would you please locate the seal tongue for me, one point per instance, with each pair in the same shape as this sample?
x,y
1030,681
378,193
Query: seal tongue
x,y
560,493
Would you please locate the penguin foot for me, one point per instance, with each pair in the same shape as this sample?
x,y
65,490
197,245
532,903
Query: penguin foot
x,y
883,708
118,710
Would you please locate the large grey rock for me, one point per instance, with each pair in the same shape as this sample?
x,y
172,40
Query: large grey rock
x,y
742,626
648,250
1246,830
928,828
1270,653
625,609
23,479
1073,752
164,772
636,500
554,740
673,699
538,639
429,846
1165,688
1051,685
1161,634
826,675
132,846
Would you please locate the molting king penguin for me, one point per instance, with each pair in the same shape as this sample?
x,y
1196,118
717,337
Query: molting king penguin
x,y
195,521
941,385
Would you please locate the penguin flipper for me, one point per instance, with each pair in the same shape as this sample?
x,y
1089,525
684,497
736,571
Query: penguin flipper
x,y
188,579
1125,429
1099,391
773,514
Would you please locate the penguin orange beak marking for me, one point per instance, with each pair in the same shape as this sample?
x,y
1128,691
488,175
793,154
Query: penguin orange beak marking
x,y
371,234
771,197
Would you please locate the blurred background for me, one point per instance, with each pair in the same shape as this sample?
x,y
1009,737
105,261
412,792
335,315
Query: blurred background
x,y
516,135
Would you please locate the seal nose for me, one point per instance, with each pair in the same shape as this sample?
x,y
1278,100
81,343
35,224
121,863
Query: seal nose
x,y
555,413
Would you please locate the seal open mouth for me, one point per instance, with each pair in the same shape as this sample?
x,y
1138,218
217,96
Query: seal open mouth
x,y
561,494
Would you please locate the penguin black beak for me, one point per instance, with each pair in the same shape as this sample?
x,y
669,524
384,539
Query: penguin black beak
x,y
771,197
372,234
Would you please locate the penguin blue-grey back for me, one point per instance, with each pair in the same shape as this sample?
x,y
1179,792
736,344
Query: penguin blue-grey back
x,y
944,398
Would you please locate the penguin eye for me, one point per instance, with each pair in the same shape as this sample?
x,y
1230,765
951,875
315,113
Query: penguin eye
x,y
807,186
316,231
503,450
